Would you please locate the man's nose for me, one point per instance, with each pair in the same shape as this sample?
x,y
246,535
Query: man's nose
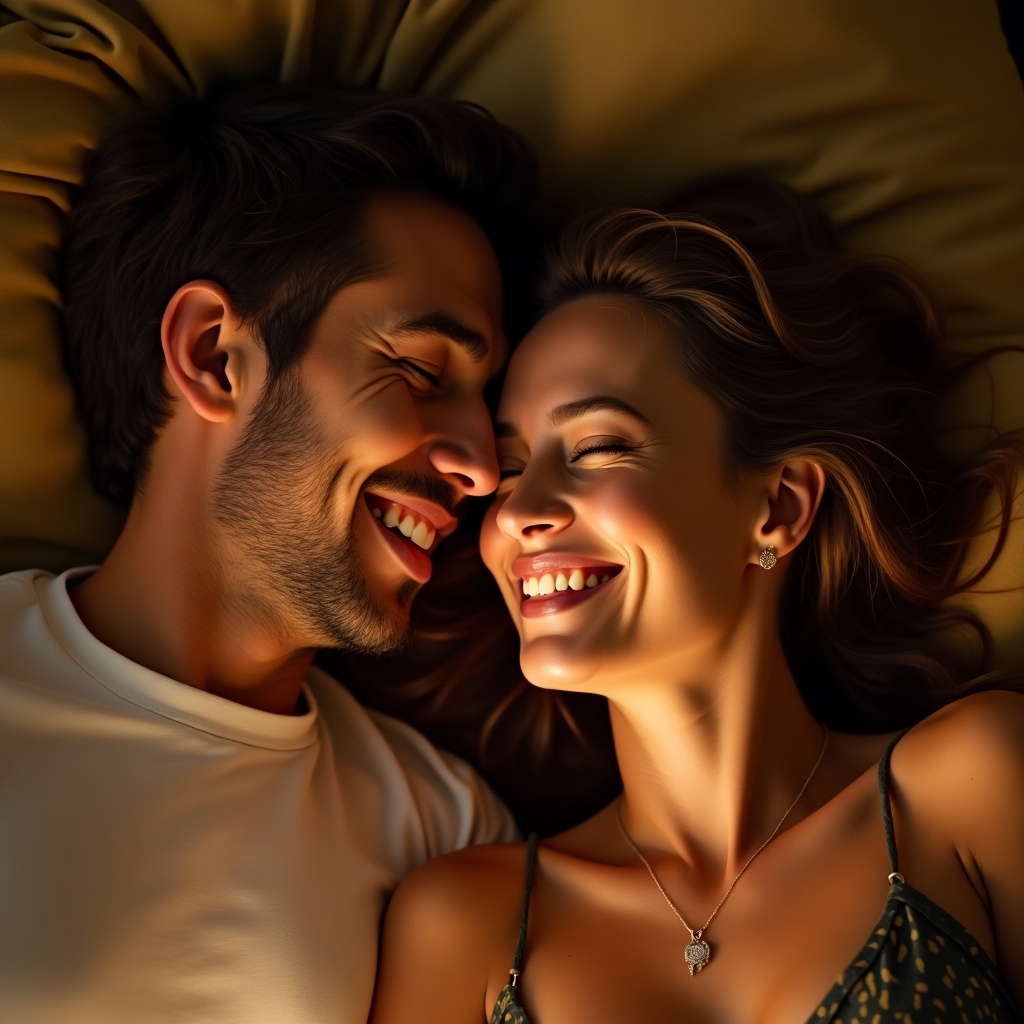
x,y
462,450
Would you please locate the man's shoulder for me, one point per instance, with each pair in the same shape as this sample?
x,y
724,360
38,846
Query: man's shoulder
x,y
454,805
17,588
35,614
360,732
28,588
20,604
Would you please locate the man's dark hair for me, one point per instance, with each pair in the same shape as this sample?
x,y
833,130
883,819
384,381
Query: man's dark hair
x,y
261,189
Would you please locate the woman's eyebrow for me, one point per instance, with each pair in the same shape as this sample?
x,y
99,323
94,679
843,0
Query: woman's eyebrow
x,y
569,411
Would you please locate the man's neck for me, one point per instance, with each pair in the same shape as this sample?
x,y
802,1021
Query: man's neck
x,y
160,600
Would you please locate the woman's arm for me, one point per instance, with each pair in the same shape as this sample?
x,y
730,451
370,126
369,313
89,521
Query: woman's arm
x,y
449,938
994,724
961,776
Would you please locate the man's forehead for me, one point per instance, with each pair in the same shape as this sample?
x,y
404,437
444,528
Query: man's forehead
x,y
406,221
385,308
437,274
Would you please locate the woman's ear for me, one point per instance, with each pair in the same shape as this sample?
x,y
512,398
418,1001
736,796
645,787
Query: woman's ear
x,y
210,357
789,505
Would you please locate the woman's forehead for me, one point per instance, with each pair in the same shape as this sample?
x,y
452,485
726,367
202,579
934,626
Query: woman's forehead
x,y
605,355
598,336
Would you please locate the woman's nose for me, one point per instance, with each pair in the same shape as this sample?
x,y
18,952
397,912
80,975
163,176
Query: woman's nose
x,y
533,506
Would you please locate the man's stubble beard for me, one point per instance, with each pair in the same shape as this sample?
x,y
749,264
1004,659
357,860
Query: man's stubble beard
x,y
274,499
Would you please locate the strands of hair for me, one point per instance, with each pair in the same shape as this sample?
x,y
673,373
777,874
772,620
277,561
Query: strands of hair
x,y
808,353
261,189
811,353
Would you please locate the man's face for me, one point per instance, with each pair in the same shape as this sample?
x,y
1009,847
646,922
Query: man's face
x,y
352,464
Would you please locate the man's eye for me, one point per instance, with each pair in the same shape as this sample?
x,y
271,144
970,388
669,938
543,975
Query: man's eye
x,y
432,379
599,447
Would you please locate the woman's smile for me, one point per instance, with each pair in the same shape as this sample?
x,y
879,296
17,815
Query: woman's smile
x,y
555,581
614,500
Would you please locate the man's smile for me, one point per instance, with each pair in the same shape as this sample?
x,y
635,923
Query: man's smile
x,y
412,527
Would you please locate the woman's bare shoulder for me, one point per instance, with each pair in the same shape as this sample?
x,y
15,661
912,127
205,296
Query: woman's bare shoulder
x,y
963,773
450,935
475,888
984,730
965,762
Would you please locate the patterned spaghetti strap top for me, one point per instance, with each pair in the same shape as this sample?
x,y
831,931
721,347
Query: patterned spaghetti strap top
x,y
507,1009
918,964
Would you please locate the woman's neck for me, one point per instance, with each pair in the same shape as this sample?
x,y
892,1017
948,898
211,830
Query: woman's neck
x,y
711,758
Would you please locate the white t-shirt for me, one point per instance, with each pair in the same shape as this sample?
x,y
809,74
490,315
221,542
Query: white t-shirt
x,y
169,855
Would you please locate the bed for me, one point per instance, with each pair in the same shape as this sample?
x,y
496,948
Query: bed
x,y
905,121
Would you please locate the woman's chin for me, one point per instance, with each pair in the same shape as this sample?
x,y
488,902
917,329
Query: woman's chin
x,y
556,663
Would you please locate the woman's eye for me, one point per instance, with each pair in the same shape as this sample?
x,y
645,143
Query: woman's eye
x,y
599,447
509,471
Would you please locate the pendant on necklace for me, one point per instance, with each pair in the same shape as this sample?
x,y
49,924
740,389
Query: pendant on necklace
x,y
697,954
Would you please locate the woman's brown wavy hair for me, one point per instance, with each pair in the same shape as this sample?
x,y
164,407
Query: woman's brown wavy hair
x,y
808,353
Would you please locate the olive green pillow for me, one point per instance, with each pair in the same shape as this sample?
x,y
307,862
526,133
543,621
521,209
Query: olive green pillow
x,y
904,120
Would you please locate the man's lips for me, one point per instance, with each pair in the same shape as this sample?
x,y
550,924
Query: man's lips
x,y
439,519
411,527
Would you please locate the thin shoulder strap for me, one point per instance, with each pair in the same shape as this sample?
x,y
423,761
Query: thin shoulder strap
x,y
531,863
890,832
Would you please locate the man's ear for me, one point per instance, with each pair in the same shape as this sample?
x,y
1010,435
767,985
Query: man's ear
x,y
209,356
789,505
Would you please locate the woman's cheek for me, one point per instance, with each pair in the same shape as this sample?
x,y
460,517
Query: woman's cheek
x,y
492,542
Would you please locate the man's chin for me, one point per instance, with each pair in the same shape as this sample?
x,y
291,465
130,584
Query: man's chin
x,y
377,642
401,620
382,631
407,592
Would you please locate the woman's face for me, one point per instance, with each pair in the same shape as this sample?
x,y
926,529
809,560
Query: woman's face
x,y
614,510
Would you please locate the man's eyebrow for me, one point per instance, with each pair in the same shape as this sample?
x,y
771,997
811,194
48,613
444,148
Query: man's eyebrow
x,y
568,411
446,325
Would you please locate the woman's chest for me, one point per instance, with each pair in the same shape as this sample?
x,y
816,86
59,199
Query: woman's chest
x,y
799,917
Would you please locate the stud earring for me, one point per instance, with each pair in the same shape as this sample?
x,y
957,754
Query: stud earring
x,y
767,557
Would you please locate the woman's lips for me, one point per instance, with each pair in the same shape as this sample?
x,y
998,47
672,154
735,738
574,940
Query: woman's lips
x,y
555,582
560,601
555,561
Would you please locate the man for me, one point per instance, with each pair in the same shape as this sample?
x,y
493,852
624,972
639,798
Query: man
x,y
281,311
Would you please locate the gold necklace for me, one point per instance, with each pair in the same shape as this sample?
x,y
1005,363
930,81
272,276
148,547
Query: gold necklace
x,y
698,953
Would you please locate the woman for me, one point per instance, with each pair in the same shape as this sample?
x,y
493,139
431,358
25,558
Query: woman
x,y
721,510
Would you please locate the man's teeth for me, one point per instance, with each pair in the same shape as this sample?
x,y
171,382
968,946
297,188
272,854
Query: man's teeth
x,y
534,586
420,533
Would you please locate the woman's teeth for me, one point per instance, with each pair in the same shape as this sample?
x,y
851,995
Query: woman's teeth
x,y
534,586
397,518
